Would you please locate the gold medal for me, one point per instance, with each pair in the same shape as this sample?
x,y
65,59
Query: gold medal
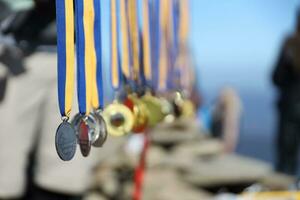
x,y
139,111
119,119
154,106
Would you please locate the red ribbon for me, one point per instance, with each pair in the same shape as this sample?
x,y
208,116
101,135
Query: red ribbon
x,y
140,171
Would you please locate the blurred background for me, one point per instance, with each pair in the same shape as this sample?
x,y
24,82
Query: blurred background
x,y
234,44
237,43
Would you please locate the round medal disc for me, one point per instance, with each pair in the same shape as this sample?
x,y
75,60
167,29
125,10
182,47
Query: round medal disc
x,y
86,128
65,141
118,118
100,138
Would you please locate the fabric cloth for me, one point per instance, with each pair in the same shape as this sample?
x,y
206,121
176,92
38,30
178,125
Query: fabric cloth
x,y
29,114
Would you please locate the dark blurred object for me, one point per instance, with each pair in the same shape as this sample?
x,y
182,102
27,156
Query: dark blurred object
x,y
4,10
12,58
3,83
27,26
27,29
286,77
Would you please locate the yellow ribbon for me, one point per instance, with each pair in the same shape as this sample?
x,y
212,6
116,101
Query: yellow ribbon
x,y
90,56
125,39
146,41
134,37
163,57
114,45
70,58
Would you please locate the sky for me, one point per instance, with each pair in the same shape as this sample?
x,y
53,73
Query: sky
x,y
236,42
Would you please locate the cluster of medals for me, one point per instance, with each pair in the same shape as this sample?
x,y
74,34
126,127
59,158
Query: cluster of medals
x,y
150,69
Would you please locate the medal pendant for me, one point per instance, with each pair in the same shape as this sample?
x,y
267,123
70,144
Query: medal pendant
x,y
100,137
154,106
86,128
65,141
140,113
118,118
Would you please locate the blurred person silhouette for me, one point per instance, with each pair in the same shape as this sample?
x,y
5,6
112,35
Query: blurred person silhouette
x,y
286,78
29,110
226,118
222,118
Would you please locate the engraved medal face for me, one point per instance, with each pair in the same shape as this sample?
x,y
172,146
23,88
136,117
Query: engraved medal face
x,y
65,141
99,139
118,118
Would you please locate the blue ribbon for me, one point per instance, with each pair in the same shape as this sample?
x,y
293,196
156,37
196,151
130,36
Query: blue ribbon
x,y
80,45
98,48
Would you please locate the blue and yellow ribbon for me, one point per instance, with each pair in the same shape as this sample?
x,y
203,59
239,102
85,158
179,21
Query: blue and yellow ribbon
x,y
154,12
125,39
97,81
114,60
163,57
85,53
147,43
134,39
65,54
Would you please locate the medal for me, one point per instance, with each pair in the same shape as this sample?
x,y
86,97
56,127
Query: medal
x,y
84,123
154,105
137,107
100,138
118,117
140,113
65,141
100,134
65,138
87,130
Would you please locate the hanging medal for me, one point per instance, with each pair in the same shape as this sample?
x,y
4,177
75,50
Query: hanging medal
x,y
65,138
100,135
149,64
118,117
183,70
163,63
85,124
138,108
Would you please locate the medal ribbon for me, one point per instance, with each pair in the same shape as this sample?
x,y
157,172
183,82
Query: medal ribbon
x,y
115,67
65,54
185,62
146,43
139,171
97,80
163,57
125,39
134,38
85,53
155,40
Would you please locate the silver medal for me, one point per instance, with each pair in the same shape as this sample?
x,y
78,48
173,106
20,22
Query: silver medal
x,y
65,141
85,128
100,136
